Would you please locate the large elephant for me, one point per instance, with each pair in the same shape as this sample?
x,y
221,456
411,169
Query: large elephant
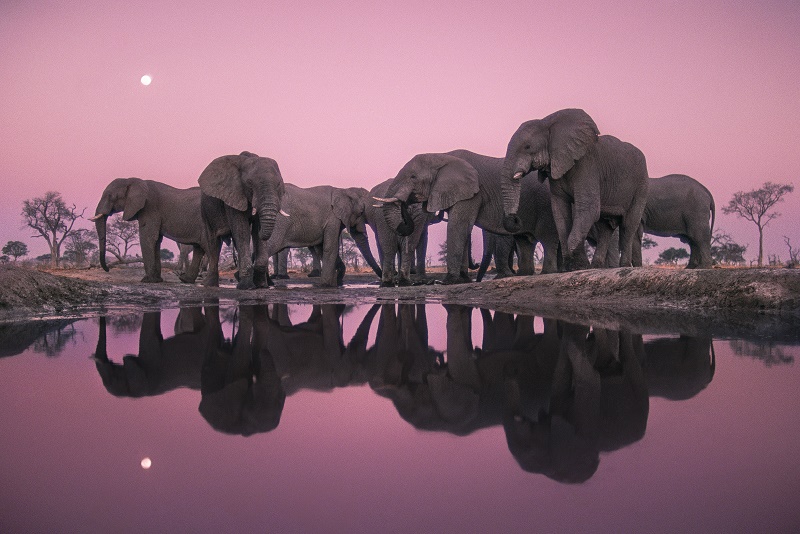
x,y
590,176
464,184
162,211
391,245
318,215
679,206
238,191
500,247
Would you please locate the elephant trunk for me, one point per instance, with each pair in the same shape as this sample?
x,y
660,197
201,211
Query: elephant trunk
x,y
396,213
510,185
100,225
267,213
362,242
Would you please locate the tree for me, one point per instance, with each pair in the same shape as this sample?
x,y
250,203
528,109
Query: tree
x,y
672,255
4,258
80,245
303,255
725,251
15,249
794,253
121,236
349,251
755,207
648,243
443,253
52,219
166,254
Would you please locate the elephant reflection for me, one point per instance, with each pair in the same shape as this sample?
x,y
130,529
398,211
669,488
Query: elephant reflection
x,y
598,402
679,368
241,390
162,364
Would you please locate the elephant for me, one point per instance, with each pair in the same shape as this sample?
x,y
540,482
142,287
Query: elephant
x,y
679,368
238,191
678,206
318,215
411,247
464,184
162,211
280,264
183,259
590,176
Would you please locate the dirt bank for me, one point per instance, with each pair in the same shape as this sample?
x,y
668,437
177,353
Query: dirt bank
x,y
622,296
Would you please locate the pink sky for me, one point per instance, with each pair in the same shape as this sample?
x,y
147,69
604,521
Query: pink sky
x,y
345,94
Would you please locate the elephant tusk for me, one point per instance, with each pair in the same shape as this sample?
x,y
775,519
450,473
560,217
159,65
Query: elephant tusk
x,y
97,217
518,175
391,200
284,213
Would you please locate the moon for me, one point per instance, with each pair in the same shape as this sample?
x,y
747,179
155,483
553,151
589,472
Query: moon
x,y
146,462
146,79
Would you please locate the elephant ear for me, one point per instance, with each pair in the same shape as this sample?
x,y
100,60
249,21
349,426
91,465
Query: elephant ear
x,y
222,180
572,134
136,198
348,205
455,181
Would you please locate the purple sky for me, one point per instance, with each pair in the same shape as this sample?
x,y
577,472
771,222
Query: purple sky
x,y
345,94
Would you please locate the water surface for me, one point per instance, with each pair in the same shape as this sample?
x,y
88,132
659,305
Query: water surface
x,y
395,418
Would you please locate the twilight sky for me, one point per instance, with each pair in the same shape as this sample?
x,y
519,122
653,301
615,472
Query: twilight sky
x,y
346,93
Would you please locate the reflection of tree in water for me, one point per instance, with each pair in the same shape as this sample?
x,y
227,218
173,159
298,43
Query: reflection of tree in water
x,y
769,352
125,324
53,342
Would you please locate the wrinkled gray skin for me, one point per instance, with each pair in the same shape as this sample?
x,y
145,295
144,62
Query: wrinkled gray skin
x,y
317,216
590,176
392,246
238,191
162,211
184,265
679,206
464,184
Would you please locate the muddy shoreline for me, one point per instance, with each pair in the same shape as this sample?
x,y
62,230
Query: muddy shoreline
x,y
765,302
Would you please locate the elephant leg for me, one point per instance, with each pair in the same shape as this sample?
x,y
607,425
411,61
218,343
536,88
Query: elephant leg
x,y
190,276
459,228
503,248
150,243
316,261
604,235
525,248
421,253
630,225
211,278
584,213
636,247
240,231
330,253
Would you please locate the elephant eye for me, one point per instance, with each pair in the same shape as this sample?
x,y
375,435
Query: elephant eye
x,y
527,147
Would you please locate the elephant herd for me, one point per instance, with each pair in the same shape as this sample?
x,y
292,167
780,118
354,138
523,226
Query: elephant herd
x,y
562,392
559,184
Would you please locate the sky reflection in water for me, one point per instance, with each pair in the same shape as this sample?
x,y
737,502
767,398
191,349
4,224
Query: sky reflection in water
x,y
390,417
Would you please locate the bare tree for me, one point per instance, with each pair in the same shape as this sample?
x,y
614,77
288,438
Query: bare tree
x,y
80,245
121,237
755,207
52,219
794,253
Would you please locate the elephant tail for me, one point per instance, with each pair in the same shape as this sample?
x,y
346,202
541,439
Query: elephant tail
x,y
485,260
713,212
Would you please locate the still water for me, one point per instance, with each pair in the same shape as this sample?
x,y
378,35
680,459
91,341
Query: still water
x,y
392,418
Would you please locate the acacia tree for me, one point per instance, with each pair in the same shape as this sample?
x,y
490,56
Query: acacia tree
x,y
121,237
52,219
16,249
755,207
80,245
672,255
348,251
725,250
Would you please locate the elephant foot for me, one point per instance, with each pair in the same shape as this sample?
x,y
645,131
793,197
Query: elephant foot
x,y
247,283
404,282
576,262
420,281
261,279
452,279
149,279
211,280
315,273
503,274
281,277
187,279
386,283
